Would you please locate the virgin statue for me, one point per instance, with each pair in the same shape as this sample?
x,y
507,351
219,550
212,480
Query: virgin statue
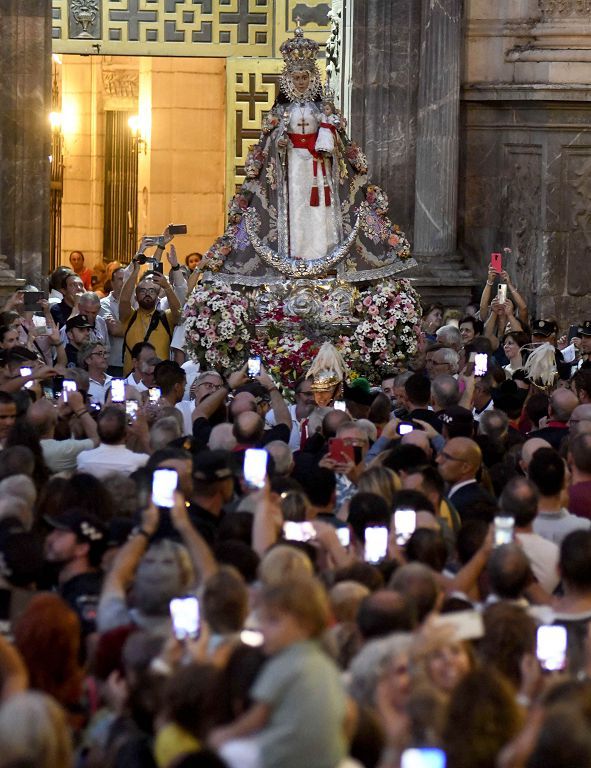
x,y
306,209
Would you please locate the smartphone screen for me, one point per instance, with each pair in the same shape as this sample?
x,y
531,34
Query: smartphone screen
x,y
427,757
164,483
404,428
504,530
480,364
298,531
502,293
551,647
496,262
131,409
340,405
24,371
40,324
255,467
376,544
154,394
69,386
252,637
253,367
466,625
184,612
344,536
118,390
405,523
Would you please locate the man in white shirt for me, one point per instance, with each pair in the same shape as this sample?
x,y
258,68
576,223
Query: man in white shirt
x,y
62,455
141,354
547,472
93,358
109,311
111,456
299,412
519,500
171,379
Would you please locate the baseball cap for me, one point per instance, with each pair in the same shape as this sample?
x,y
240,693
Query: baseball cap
x,y
79,321
457,416
212,466
544,327
585,328
86,526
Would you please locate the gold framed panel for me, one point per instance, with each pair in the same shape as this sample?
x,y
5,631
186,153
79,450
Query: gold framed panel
x,y
225,28
251,88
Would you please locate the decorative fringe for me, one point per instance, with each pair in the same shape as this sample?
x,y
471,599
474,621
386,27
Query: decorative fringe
x,y
326,195
314,197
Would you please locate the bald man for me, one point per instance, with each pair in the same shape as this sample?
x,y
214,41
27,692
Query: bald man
x,y
562,403
580,420
459,463
528,449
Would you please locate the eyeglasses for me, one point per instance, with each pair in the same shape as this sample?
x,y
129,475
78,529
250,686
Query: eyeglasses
x,y
151,291
210,385
98,354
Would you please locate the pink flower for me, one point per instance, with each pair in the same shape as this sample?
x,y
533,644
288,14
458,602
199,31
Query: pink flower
x,y
367,301
373,310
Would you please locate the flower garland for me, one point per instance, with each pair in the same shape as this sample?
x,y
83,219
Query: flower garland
x,y
216,327
387,318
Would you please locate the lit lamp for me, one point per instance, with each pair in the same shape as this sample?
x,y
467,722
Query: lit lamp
x,y
55,120
135,126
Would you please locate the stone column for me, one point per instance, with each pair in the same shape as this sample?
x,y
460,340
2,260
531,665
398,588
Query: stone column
x,y
384,81
436,191
25,96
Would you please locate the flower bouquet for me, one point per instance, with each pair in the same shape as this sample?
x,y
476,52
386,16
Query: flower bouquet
x,y
216,327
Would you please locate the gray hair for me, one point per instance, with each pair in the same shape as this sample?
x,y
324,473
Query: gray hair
x,y
445,390
450,336
163,432
282,456
89,297
201,377
86,350
221,437
371,662
20,486
402,378
493,423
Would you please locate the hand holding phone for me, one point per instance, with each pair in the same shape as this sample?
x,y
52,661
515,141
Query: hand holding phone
x,y
118,390
496,262
255,467
405,523
253,367
339,452
502,293
68,386
504,528
551,647
299,531
164,484
376,543
185,616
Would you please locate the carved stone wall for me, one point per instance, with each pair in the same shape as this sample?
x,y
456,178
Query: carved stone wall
x,y
525,164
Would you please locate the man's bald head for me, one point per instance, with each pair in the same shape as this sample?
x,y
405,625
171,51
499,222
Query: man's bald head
x,y
580,419
248,428
42,415
419,438
562,403
332,421
459,460
529,448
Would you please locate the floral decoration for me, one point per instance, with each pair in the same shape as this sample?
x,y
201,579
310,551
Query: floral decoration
x,y
255,160
216,327
385,327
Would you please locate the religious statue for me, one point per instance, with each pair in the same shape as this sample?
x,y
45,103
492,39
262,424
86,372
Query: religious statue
x,y
306,211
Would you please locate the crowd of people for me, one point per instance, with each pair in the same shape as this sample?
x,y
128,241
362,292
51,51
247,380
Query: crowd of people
x,y
384,594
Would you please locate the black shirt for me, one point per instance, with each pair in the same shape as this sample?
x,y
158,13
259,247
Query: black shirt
x,y
61,312
82,594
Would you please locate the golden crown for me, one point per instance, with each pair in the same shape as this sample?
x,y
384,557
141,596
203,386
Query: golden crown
x,y
300,49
